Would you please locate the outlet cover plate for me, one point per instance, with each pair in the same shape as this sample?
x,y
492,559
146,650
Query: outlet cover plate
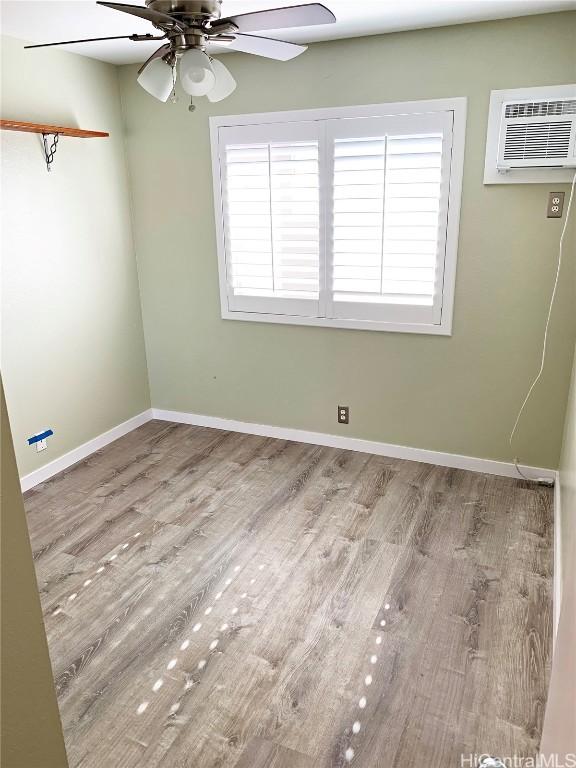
x,y
555,207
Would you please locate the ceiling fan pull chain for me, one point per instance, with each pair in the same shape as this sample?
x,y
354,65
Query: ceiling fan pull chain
x,y
192,106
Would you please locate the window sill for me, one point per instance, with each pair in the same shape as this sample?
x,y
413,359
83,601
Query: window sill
x,y
443,329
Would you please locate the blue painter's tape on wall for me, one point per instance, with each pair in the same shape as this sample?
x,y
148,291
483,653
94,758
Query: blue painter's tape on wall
x,y
41,436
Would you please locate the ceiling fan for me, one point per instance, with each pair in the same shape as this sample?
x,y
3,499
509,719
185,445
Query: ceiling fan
x,y
189,26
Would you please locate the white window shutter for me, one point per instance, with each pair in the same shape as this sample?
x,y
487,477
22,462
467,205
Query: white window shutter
x,y
270,191
390,186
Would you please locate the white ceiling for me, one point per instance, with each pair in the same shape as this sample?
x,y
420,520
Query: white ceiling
x,y
43,21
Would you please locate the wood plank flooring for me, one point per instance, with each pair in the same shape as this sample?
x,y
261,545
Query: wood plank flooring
x,y
218,600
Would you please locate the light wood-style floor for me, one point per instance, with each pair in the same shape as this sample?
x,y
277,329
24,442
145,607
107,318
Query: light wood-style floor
x,y
217,600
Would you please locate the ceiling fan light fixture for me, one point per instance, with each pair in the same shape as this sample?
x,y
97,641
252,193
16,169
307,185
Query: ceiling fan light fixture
x,y
156,78
188,26
196,73
225,83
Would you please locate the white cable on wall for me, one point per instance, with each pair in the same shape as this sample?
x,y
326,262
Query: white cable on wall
x,y
546,328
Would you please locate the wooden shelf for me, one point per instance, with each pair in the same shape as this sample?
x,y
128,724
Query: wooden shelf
x,y
17,125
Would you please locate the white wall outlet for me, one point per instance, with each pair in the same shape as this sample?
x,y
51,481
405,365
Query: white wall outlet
x,y
40,439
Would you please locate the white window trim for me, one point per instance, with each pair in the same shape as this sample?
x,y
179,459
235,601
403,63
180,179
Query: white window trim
x,y
458,107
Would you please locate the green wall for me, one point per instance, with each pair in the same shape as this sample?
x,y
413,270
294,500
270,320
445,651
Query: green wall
x,y
73,348
568,486
31,729
456,394
73,353
559,734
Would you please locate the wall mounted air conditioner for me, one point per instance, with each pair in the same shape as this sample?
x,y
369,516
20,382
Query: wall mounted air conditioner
x,y
531,135
537,134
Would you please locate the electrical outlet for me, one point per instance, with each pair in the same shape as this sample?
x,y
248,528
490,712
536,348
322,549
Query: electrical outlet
x,y
555,205
40,440
343,414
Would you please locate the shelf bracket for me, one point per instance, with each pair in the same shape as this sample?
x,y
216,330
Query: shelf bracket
x,y
50,151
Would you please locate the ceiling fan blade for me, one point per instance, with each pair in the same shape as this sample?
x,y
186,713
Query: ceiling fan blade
x,y
86,40
162,51
266,46
281,18
144,13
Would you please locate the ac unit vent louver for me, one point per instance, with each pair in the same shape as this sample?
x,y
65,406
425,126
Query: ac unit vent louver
x,y
533,141
541,108
537,133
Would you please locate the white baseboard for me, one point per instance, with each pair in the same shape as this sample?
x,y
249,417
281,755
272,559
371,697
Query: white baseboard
x,y
557,583
457,461
84,450
489,466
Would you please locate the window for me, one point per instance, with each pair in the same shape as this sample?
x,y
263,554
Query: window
x,y
340,217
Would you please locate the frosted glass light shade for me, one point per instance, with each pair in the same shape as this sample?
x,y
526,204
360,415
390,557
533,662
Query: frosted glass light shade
x,y
225,83
157,79
196,73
